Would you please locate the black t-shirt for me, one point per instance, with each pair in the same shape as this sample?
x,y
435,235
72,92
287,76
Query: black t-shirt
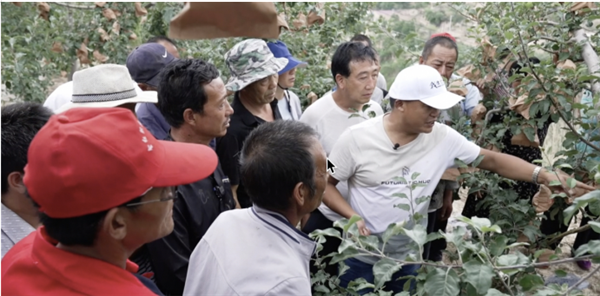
x,y
230,145
196,208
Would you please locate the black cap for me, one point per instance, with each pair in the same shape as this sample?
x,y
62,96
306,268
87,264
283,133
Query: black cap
x,y
146,61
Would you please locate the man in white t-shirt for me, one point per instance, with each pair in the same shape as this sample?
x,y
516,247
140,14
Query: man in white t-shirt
x,y
354,68
381,157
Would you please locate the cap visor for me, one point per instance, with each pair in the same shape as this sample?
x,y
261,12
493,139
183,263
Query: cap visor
x,y
185,163
443,101
292,63
143,97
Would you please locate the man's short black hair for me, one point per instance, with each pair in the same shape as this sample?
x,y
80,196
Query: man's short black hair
x,y
182,86
515,68
20,123
156,39
77,231
348,52
438,40
361,38
275,157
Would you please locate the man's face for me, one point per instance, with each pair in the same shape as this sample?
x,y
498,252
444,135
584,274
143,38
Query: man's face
x,y
287,79
419,117
170,47
214,120
262,91
320,158
151,221
442,59
360,84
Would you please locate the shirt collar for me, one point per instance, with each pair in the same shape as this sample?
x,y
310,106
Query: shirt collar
x,y
247,117
280,224
87,275
14,226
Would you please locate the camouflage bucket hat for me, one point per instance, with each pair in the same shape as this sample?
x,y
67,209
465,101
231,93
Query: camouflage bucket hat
x,y
249,61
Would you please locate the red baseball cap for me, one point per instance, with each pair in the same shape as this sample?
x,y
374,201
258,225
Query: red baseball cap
x,y
88,160
443,35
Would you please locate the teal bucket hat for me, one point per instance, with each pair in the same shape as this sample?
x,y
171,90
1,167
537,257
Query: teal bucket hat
x,y
249,61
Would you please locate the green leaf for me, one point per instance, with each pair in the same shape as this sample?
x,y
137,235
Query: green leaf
x,y
352,221
348,253
392,230
497,245
415,175
571,182
383,271
346,244
494,292
405,207
569,212
480,222
555,183
365,107
422,199
479,275
417,234
595,226
360,284
400,195
530,281
441,282
326,232
493,228
560,273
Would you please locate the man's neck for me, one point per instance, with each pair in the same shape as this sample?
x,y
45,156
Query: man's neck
x,y
340,99
395,129
256,109
112,254
279,93
23,207
184,134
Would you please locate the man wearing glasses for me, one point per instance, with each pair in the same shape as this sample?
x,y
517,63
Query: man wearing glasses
x,y
193,100
103,185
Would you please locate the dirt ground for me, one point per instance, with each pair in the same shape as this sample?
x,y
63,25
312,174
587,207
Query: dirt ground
x,y
553,141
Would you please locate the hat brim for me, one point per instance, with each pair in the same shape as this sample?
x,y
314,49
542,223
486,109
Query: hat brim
x,y
443,101
272,66
185,163
292,63
143,97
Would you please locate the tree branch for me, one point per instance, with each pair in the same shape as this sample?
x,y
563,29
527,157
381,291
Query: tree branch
x,y
463,14
589,56
74,6
551,39
558,109
582,280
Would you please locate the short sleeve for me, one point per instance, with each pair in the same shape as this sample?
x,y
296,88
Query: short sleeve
x,y
228,153
460,147
343,155
472,98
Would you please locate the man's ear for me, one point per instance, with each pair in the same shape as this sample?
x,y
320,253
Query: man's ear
x,y
421,61
400,105
299,194
114,224
15,182
341,81
188,116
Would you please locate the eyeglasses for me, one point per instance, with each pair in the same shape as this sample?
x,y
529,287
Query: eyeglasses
x,y
170,192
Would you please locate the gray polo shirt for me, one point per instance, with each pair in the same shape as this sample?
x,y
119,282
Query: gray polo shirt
x,y
14,228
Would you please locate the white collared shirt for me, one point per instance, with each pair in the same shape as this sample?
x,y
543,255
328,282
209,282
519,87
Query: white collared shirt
x,y
251,252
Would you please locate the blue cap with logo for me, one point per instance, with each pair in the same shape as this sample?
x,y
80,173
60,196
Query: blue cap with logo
x,y
280,50
146,61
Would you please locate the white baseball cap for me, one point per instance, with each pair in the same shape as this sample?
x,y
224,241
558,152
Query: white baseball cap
x,y
423,83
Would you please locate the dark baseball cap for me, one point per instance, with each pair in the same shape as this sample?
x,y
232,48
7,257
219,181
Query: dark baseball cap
x,y
146,61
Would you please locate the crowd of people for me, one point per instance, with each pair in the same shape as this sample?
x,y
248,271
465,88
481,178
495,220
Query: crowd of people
x,y
143,179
